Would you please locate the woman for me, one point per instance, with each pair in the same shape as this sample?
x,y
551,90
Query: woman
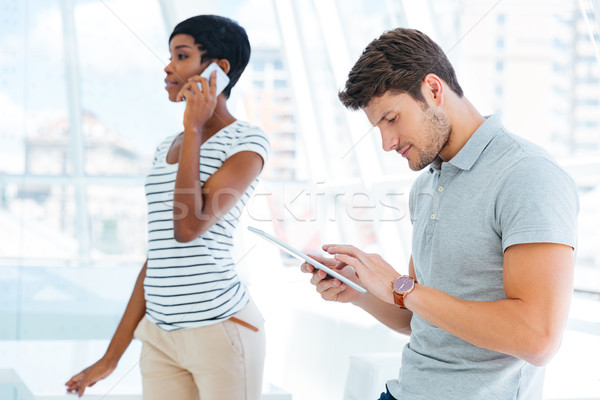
x,y
202,335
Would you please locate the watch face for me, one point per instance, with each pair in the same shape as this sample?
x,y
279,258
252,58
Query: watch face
x,y
403,284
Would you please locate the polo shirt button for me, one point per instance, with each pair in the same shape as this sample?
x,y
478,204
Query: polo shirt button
x,y
441,189
432,216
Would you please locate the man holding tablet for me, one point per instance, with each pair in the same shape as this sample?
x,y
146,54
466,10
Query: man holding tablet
x,y
489,282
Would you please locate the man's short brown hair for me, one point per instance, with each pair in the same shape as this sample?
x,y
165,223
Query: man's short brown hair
x,y
396,61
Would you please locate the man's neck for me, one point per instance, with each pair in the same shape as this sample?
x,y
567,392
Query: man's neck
x,y
464,121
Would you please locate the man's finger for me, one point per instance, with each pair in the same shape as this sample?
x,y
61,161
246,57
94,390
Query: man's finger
x,y
306,267
317,277
332,293
346,249
329,284
351,261
326,261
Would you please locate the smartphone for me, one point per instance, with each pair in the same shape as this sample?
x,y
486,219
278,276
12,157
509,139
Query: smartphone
x,y
222,78
303,257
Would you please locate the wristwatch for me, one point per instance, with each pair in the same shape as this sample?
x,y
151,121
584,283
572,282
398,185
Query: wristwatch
x,y
402,286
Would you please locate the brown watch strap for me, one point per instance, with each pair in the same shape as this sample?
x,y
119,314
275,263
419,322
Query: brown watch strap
x,y
399,299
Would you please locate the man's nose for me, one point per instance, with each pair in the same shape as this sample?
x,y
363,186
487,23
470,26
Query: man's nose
x,y
388,142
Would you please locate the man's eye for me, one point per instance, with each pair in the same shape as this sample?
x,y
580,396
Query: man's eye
x,y
392,120
181,56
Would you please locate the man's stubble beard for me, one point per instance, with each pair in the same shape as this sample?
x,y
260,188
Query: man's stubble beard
x,y
438,134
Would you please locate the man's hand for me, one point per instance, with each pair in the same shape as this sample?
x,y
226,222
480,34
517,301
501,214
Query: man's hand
x,y
371,269
332,289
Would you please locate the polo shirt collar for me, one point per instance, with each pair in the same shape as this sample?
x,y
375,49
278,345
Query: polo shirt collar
x,y
470,152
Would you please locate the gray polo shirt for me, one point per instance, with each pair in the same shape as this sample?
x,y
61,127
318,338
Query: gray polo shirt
x,y
499,190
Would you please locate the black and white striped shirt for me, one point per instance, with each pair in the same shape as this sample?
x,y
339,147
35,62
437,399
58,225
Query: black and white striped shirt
x,y
194,284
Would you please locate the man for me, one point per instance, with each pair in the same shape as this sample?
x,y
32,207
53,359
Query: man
x,y
488,290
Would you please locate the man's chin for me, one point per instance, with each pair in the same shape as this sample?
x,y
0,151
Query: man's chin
x,y
416,167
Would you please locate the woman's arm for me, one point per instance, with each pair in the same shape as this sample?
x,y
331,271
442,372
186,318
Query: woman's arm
x,y
135,311
136,308
197,207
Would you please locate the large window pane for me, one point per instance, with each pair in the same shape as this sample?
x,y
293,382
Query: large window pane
x,y
122,54
32,83
38,225
118,222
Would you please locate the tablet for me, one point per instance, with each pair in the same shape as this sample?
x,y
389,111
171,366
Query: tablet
x,y
301,256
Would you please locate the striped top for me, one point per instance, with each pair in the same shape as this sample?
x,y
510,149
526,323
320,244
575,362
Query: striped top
x,y
195,284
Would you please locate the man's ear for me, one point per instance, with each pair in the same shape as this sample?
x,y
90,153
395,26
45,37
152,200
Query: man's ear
x,y
224,64
433,89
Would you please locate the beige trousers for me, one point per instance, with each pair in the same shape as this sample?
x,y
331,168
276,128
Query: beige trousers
x,y
223,361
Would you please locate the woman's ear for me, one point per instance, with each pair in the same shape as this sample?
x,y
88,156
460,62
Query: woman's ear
x,y
224,64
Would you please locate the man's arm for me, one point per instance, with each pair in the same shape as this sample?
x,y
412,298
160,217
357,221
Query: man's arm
x,y
333,290
538,280
388,314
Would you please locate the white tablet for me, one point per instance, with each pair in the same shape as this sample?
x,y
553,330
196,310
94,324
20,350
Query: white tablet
x,y
301,256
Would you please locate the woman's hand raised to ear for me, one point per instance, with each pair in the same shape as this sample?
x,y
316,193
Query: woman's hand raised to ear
x,y
201,101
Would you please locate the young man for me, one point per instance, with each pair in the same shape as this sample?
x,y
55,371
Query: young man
x,y
487,295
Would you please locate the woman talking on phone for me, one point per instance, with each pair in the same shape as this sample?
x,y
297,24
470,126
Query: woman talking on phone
x,y
203,337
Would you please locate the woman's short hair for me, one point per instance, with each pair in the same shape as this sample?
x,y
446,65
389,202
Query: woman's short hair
x,y
219,38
